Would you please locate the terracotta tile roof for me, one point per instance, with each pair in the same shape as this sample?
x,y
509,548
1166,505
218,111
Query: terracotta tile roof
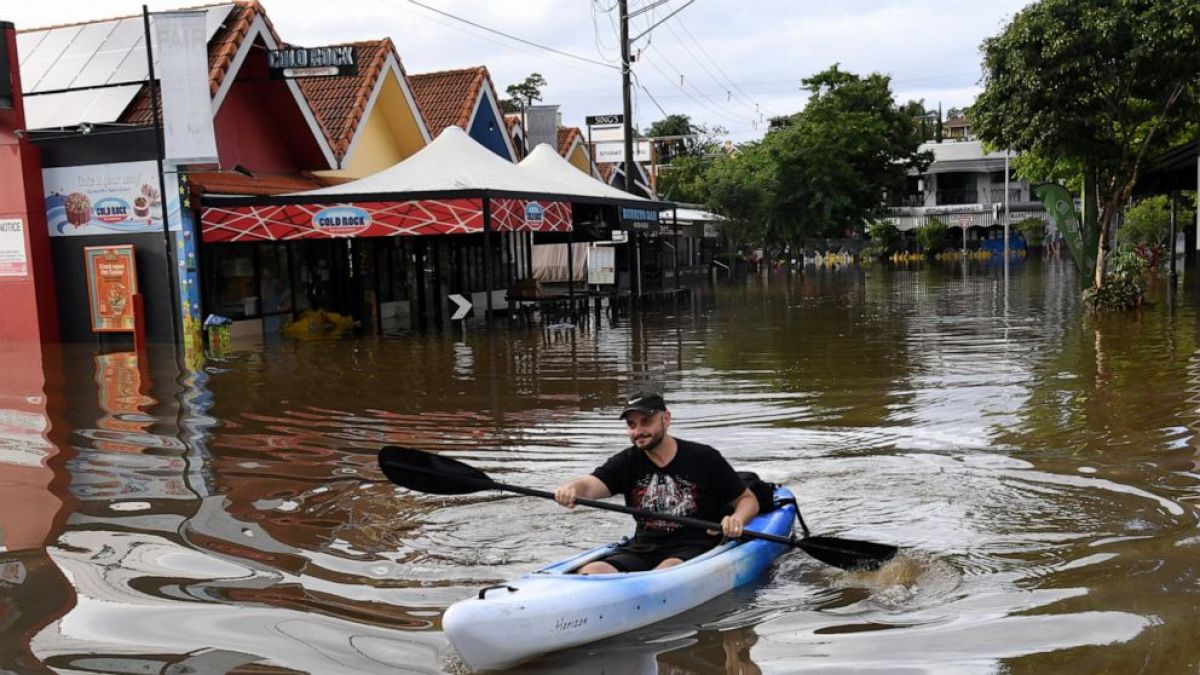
x,y
447,97
566,138
339,103
606,169
512,120
222,48
955,122
260,184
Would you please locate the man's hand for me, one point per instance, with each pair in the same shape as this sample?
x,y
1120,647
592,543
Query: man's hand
x,y
565,494
731,526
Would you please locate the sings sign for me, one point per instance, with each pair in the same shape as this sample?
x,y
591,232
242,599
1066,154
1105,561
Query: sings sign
x,y
600,120
313,61
111,282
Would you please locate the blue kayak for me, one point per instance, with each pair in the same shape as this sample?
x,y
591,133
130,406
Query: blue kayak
x,y
553,609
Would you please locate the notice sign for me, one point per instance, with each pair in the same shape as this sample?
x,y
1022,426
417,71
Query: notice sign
x,y
112,281
602,265
13,261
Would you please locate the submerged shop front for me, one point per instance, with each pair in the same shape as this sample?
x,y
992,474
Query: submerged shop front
x,y
382,262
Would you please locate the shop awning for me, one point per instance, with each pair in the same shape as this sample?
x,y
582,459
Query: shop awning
x,y
442,189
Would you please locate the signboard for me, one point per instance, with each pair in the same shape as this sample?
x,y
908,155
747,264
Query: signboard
x,y
313,61
602,265
111,282
608,152
13,260
604,120
462,307
965,220
639,219
104,199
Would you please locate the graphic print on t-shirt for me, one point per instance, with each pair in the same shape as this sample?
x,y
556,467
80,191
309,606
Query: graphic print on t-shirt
x,y
664,493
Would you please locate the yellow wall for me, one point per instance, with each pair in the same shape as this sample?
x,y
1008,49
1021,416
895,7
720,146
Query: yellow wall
x,y
579,159
390,134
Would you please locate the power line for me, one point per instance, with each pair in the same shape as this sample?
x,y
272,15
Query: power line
x,y
718,67
513,37
728,92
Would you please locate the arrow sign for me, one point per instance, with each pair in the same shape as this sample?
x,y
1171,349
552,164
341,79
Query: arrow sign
x,y
462,307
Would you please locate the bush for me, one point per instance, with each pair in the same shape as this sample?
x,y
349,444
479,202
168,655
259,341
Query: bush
x,y
1033,230
931,237
885,239
1124,286
1147,225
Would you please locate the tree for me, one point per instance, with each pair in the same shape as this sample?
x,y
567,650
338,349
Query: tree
x,y
697,138
683,179
834,162
1092,86
739,187
926,120
522,94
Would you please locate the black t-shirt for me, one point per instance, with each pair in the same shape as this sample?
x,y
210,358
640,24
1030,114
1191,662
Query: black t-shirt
x,y
698,483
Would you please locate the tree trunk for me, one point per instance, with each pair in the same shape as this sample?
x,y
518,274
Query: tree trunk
x,y
1101,242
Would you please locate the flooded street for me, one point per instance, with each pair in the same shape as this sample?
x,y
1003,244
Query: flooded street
x,y
1037,467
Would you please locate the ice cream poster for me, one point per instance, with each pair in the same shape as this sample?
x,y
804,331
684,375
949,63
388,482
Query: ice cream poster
x,y
112,281
103,199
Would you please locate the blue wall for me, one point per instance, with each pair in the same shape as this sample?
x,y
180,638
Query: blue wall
x,y
489,131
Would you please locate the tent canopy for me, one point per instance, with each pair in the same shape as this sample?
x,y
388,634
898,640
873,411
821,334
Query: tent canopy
x,y
551,169
452,162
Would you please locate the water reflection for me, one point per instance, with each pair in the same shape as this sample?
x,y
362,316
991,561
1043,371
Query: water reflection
x,y
1037,466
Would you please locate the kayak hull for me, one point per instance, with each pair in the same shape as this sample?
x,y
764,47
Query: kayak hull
x,y
551,609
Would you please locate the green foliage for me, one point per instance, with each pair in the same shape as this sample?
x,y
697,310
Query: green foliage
x,y
931,236
1091,87
1146,228
1033,230
683,179
885,239
833,161
1147,222
700,139
739,188
522,94
1123,288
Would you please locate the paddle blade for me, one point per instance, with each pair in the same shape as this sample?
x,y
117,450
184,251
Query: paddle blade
x,y
426,472
847,554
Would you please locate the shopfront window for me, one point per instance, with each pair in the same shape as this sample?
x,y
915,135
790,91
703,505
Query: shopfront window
x,y
230,282
275,281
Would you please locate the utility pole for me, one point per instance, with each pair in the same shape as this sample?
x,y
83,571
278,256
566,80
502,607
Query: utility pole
x,y
627,108
626,104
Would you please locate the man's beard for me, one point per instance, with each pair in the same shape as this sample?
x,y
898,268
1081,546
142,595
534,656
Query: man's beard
x,y
654,441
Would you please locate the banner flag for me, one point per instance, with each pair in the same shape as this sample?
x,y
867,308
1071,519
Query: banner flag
x,y
1081,240
181,50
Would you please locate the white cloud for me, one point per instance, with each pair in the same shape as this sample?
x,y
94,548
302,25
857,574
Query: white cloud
x,y
762,49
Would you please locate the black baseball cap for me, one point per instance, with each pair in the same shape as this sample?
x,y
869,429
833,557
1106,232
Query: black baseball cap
x,y
645,402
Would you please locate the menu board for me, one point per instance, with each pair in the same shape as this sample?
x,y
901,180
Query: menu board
x,y
112,281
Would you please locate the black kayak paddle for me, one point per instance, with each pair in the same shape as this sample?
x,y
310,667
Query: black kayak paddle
x,y
434,474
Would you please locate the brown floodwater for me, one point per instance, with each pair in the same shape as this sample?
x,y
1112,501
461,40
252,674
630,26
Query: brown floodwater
x,y
1038,467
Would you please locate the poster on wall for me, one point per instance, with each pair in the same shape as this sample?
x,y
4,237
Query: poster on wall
x,y
112,281
602,265
102,199
13,260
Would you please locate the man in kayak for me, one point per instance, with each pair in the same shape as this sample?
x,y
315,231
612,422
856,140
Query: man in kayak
x,y
663,474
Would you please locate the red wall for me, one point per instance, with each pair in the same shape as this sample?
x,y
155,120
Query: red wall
x,y
27,304
260,125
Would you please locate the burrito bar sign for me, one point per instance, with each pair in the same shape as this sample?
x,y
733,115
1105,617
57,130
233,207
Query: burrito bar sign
x,y
313,61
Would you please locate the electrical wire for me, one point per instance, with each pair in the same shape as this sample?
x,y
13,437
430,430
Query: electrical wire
x,y
512,37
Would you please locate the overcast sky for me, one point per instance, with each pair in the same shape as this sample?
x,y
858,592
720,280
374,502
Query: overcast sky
x,y
732,63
